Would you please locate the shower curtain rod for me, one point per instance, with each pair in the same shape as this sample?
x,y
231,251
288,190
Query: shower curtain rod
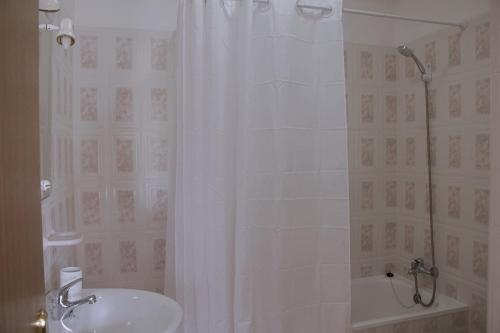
x,y
404,18
329,9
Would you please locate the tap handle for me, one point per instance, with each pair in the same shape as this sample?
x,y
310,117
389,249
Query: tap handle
x,y
71,284
64,291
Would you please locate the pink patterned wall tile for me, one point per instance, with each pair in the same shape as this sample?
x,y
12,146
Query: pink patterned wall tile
x,y
481,206
367,109
453,251
159,51
88,51
89,156
409,240
483,96
367,195
124,105
391,67
123,52
391,109
93,259
454,202
367,152
390,236
480,259
391,194
159,248
367,237
91,208
391,152
455,100
454,50
88,104
367,65
410,151
126,204
159,106
482,149
159,205
124,155
410,107
410,195
128,256
483,41
455,152
159,155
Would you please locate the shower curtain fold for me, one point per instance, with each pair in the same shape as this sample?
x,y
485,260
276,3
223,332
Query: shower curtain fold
x,y
261,200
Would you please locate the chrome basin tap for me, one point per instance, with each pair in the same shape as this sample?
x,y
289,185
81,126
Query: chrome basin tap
x,y
63,296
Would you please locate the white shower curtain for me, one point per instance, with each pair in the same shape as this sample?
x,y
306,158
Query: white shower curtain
x,y
261,204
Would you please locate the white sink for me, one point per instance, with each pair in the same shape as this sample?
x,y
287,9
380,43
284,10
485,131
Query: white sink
x,y
123,311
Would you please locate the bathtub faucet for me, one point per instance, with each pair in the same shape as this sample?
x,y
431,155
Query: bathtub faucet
x,y
418,266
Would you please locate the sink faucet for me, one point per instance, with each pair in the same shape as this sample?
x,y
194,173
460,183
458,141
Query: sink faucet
x,y
63,296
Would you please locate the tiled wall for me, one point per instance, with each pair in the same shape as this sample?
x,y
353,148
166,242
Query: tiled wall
x,y
58,210
124,107
386,111
373,216
494,262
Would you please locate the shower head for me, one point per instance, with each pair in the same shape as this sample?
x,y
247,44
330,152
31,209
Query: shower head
x,y
407,52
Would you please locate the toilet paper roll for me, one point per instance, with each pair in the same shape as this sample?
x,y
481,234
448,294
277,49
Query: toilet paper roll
x,y
67,275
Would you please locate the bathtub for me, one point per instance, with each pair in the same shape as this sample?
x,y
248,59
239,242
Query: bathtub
x,y
375,306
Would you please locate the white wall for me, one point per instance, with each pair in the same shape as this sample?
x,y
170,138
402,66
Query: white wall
x,y
129,14
369,30
380,31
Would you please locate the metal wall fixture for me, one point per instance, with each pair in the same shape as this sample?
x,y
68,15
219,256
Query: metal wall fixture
x,y
65,35
327,10
49,6
462,26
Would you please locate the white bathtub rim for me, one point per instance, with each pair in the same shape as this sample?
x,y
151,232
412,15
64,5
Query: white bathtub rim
x,y
425,313
406,317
